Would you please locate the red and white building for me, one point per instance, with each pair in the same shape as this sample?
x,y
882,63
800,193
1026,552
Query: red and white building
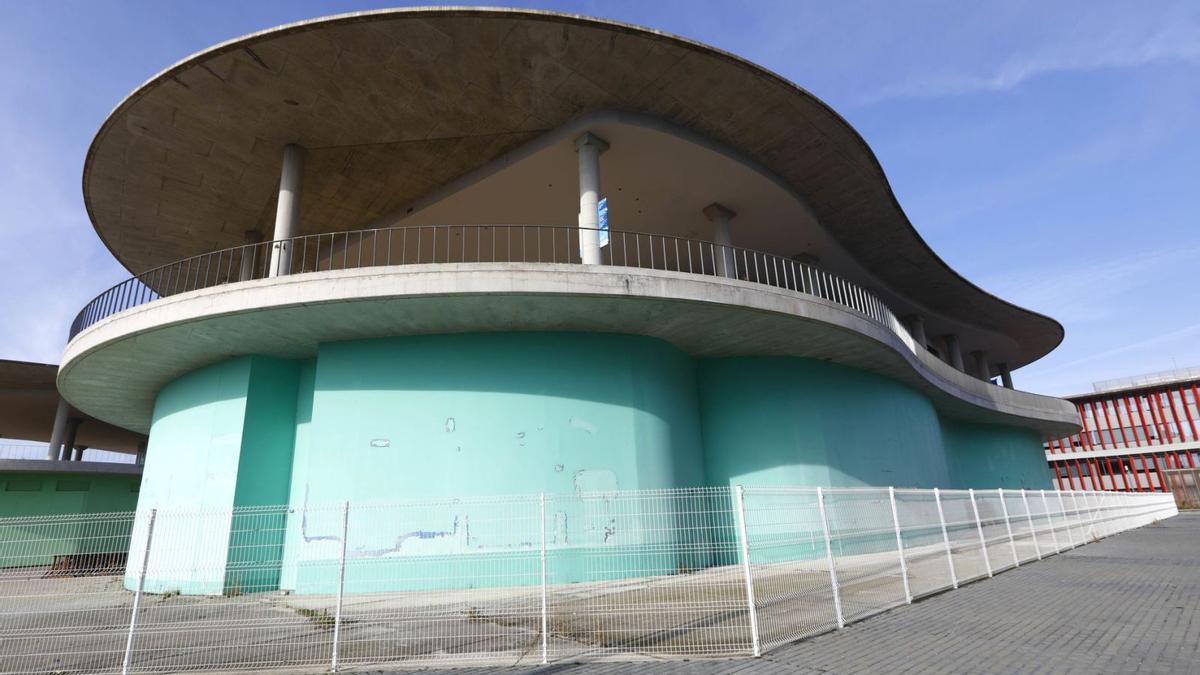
x,y
1134,429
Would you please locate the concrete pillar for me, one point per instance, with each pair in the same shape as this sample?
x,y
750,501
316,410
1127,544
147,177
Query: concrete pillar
x,y
79,450
981,365
916,328
68,442
141,453
287,209
1005,375
58,430
722,235
589,147
250,255
953,352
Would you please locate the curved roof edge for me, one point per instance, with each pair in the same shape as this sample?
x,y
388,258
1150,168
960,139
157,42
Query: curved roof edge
x,y
1042,333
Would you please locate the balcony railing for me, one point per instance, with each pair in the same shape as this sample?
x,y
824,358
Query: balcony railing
x,y
432,244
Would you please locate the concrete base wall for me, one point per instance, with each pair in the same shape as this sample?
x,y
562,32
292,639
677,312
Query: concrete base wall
x,y
474,415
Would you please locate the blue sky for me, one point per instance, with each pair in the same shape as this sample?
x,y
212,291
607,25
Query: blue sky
x,y
1049,151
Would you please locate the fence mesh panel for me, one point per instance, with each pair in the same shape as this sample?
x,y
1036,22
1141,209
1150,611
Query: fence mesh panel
x,y
508,580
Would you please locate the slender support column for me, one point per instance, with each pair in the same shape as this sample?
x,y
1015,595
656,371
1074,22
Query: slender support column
x,y
1005,375
589,147
1012,543
250,255
287,210
141,453
79,450
724,259
916,328
954,352
68,443
59,430
982,371
833,580
987,563
900,545
740,496
937,497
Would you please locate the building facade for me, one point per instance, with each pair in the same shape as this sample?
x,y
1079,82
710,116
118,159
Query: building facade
x,y
1134,431
424,253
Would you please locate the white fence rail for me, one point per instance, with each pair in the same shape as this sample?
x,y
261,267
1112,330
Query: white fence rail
x,y
506,580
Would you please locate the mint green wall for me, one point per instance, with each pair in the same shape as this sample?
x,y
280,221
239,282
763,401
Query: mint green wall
x,y
221,437
789,421
488,414
992,456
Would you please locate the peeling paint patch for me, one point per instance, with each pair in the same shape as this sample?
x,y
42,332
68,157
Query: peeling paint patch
x,y
558,468
450,425
582,424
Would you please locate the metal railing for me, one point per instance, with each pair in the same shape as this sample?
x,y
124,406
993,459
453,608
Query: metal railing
x,y
433,244
510,580
37,451
1185,485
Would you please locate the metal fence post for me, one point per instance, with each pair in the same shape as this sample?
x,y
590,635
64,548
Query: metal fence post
x,y
1053,536
137,598
1008,526
937,497
545,617
337,612
837,596
987,563
741,521
1032,530
900,545
1062,506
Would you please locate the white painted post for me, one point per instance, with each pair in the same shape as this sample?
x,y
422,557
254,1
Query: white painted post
x,y
287,210
1008,526
1062,505
589,147
1053,536
987,563
937,497
837,596
545,615
59,430
741,515
137,598
1032,530
900,545
1079,519
337,612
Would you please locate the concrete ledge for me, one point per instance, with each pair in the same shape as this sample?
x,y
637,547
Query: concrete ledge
x,y
46,466
113,370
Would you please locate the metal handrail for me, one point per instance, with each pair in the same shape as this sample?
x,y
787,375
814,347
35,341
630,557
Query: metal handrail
x,y
433,244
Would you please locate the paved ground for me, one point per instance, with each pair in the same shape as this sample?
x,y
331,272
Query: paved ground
x,y
1127,604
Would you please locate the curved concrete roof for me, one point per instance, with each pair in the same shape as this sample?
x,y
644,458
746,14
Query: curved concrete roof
x,y
115,368
29,399
395,103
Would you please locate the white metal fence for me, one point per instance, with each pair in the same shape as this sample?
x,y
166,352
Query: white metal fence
x,y
506,580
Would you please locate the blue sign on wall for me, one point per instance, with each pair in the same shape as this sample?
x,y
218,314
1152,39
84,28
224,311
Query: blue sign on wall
x,y
602,207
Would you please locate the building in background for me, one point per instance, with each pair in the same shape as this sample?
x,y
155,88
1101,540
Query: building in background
x,y
371,265
1134,430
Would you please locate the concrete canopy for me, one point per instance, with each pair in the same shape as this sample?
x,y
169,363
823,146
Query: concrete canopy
x,y
393,104
28,399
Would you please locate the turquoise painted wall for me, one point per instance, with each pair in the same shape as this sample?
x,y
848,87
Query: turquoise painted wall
x,y
476,415
488,414
787,422
221,437
994,456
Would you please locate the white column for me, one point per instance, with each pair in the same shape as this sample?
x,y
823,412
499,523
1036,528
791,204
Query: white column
x,y
1005,375
953,352
59,430
287,209
916,328
722,235
589,147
